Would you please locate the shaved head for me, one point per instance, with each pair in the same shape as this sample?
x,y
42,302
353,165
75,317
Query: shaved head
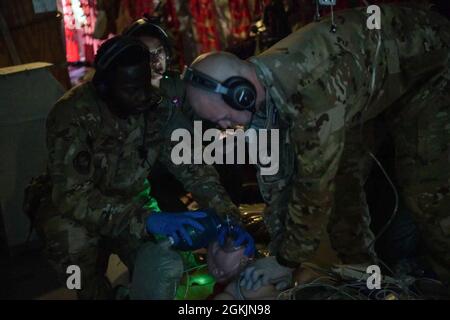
x,y
210,105
219,65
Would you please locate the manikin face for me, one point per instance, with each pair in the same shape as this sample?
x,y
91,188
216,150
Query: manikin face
x,y
158,58
224,263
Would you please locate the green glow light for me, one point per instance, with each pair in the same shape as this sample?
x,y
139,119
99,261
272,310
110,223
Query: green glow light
x,y
198,285
202,279
150,203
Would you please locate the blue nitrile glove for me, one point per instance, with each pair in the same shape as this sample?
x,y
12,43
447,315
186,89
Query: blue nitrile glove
x,y
172,224
266,271
240,236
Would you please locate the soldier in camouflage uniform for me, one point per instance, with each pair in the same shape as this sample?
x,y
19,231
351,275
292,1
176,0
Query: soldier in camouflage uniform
x,y
165,188
100,153
323,89
165,76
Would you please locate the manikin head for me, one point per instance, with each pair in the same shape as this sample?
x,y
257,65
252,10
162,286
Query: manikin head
x,y
225,263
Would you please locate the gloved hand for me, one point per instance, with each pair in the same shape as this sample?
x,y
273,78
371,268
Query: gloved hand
x,y
240,236
172,224
266,271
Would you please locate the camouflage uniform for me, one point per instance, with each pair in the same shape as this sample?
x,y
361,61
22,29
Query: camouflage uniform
x,y
98,166
165,187
230,174
318,93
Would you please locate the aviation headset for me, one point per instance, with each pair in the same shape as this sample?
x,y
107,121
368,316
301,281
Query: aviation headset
x,y
104,59
238,92
150,26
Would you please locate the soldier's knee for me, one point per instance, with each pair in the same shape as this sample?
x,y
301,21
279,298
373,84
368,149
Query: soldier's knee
x,y
170,264
157,272
66,239
66,244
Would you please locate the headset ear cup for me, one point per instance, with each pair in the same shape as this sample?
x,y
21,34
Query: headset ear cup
x,y
236,87
230,101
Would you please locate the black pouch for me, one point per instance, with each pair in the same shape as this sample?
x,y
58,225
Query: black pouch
x,y
36,191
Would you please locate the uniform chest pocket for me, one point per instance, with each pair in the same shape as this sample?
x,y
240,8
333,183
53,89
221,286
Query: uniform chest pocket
x,y
107,152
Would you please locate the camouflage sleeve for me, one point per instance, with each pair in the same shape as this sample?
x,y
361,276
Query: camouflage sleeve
x,y
318,136
202,180
276,199
75,178
312,193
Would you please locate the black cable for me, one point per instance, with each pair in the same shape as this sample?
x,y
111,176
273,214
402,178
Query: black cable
x,y
143,151
386,175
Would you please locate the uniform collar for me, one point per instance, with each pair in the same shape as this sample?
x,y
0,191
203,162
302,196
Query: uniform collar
x,y
266,117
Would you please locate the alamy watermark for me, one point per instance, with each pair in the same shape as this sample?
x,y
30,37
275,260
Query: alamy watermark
x,y
73,281
227,147
374,280
374,20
